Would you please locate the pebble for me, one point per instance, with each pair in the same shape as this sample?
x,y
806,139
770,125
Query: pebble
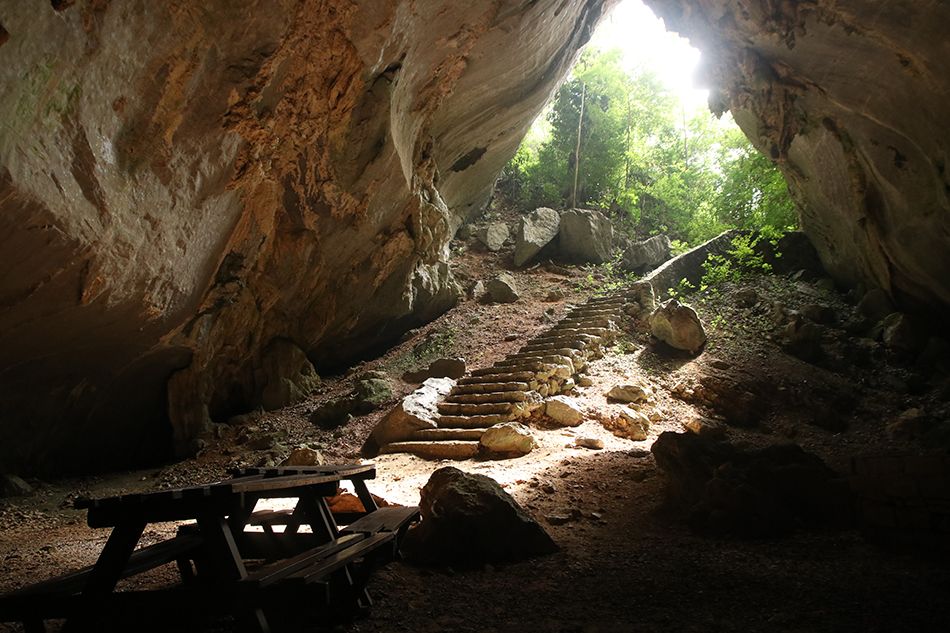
x,y
589,442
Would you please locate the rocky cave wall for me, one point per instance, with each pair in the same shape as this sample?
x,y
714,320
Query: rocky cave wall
x,y
185,185
850,98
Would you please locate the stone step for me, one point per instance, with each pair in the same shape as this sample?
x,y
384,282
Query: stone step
x,y
495,376
560,343
447,435
549,359
519,367
567,352
596,331
593,312
490,387
471,421
585,322
455,408
488,397
548,337
457,449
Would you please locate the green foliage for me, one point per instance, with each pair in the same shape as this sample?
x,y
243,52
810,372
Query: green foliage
x,y
646,161
608,277
683,288
742,258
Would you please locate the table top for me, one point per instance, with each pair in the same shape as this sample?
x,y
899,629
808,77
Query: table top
x,y
223,497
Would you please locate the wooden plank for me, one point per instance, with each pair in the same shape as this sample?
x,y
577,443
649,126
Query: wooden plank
x,y
389,519
346,471
274,572
266,486
369,504
320,570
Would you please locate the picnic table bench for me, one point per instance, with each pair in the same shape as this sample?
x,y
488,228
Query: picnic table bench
x,y
304,556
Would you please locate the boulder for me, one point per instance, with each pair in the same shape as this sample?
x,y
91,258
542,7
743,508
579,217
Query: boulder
x,y
371,392
440,368
493,236
648,254
501,289
763,492
14,486
875,305
564,411
334,412
286,376
416,411
629,393
585,236
535,231
592,443
644,295
902,335
467,519
508,439
678,326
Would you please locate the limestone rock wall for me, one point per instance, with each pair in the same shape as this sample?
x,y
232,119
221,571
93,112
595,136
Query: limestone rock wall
x,y
183,183
850,98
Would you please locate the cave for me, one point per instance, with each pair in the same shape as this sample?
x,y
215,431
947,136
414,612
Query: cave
x,y
207,207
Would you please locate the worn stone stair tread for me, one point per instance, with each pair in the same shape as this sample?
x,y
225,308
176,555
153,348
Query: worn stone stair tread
x,y
495,375
455,449
471,421
446,434
487,397
569,352
550,359
489,387
576,345
453,408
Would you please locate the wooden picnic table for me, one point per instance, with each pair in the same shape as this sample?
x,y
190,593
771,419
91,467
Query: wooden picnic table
x,y
221,561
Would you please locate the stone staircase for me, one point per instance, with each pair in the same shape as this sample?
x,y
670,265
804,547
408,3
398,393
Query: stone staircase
x,y
513,388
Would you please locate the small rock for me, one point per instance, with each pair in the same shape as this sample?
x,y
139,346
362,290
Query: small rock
x,y
629,393
746,297
510,438
555,295
334,412
678,326
501,289
875,305
826,284
584,381
558,519
493,236
718,363
589,442
705,426
631,425
901,334
564,411
304,456
820,313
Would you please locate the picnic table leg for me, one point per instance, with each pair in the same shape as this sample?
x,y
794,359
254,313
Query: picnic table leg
x,y
316,513
107,570
369,504
223,555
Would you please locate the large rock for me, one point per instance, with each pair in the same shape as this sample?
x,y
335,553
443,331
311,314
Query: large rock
x,y
585,236
647,254
14,486
637,392
678,326
564,411
753,493
416,411
179,187
501,289
872,180
286,375
508,439
439,368
469,519
493,236
535,231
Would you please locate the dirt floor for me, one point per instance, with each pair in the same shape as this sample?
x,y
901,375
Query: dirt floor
x,y
626,563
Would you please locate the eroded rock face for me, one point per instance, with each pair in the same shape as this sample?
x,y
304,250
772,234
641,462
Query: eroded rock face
x,y
847,97
182,184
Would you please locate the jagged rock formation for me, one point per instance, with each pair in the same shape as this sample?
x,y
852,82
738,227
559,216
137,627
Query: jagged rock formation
x,y
183,183
848,96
